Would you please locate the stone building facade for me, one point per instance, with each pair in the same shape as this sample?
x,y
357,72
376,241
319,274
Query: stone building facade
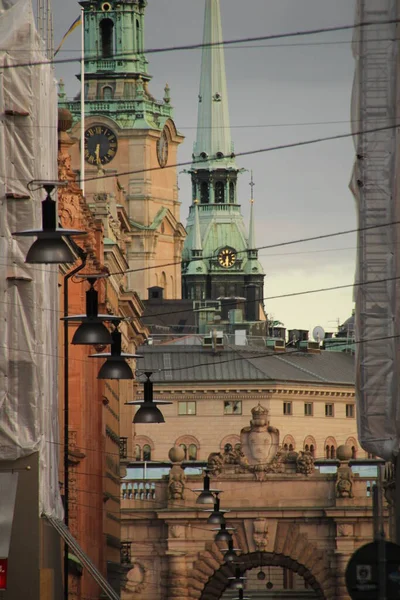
x,y
94,413
294,528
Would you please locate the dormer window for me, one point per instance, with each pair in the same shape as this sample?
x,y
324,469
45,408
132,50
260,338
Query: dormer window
x,y
106,36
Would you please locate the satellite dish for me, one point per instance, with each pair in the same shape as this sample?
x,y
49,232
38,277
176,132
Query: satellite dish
x,y
318,333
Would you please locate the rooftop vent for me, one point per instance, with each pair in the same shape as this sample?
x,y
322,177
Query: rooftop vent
x,y
276,344
214,340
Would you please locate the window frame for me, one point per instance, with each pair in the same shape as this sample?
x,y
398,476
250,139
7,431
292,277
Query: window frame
x,y
311,405
287,404
233,402
352,410
181,403
332,406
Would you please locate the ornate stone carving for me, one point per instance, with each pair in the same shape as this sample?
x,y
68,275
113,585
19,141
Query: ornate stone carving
x,y
136,578
260,441
345,530
176,485
260,534
259,452
304,463
344,483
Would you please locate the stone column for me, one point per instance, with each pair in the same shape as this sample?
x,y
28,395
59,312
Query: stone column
x,y
344,550
177,585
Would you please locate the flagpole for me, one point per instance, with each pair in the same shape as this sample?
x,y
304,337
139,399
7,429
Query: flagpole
x,y
82,178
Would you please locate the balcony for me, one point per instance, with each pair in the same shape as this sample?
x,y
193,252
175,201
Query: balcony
x,y
106,65
123,447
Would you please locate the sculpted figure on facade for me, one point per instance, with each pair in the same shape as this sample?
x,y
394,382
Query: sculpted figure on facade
x,y
177,477
344,483
260,534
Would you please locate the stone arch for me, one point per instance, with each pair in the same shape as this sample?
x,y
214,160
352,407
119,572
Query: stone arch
x,y
208,579
330,447
352,442
288,442
188,441
142,440
232,439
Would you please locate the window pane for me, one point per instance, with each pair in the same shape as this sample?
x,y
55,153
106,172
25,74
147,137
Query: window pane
x,y
232,407
182,408
329,410
287,408
308,409
191,408
184,449
192,452
350,410
137,452
146,452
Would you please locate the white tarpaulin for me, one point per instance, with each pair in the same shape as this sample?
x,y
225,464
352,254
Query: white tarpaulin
x,y
373,185
29,296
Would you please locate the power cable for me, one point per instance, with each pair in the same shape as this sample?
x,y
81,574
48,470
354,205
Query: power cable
x,y
199,161
219,44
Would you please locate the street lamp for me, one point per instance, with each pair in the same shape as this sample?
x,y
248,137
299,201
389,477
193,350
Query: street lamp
x,y
50,246
230,554
223,534
148,411
237,581
206,494
91,330
115,367
217,515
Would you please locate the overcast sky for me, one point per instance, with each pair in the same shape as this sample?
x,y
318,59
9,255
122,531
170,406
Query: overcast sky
x,y
280,92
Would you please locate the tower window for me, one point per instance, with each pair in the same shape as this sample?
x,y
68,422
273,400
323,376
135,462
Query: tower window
x,y
138,37
219,192
232,192
106,33
204,193
107,92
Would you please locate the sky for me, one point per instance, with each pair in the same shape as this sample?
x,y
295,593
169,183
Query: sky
x,y
284,91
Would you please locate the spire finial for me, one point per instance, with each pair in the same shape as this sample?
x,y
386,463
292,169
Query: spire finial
x,y
213,128
252,232
252,184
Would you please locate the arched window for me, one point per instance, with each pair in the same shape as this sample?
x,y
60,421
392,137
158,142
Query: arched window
x,y
229,442
106,36
219,192
138,452
192,452
146,452
352,442
289,443
204,197
310,445
330,447
143,448
184,448
107,92
228,448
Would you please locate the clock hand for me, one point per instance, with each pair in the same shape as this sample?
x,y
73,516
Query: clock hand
x,y
97,154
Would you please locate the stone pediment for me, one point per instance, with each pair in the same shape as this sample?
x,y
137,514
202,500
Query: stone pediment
x,y
260,452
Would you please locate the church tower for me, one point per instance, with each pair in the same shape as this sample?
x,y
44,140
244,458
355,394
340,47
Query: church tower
x,y
220,259
130,137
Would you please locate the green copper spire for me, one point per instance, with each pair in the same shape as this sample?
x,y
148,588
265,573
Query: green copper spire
x,y
213,128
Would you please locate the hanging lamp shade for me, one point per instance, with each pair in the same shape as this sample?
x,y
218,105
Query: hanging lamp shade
x,y
241,595
237,582
217,515
92,330
223,534
115,367
206,494
230,554
148,410
50,246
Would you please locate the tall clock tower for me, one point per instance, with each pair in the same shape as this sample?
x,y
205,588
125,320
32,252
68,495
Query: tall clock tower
x,y
220,259
132,136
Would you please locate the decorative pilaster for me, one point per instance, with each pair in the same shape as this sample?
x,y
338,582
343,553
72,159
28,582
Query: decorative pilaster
x,y
177,586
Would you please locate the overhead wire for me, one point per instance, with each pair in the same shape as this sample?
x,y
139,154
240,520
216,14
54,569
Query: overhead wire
x,y
224,43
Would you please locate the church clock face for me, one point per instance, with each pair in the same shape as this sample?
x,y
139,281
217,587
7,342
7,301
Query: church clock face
x,y
227,257
162,149
100,145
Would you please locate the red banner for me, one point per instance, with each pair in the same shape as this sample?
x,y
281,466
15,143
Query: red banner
x,y
3,573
